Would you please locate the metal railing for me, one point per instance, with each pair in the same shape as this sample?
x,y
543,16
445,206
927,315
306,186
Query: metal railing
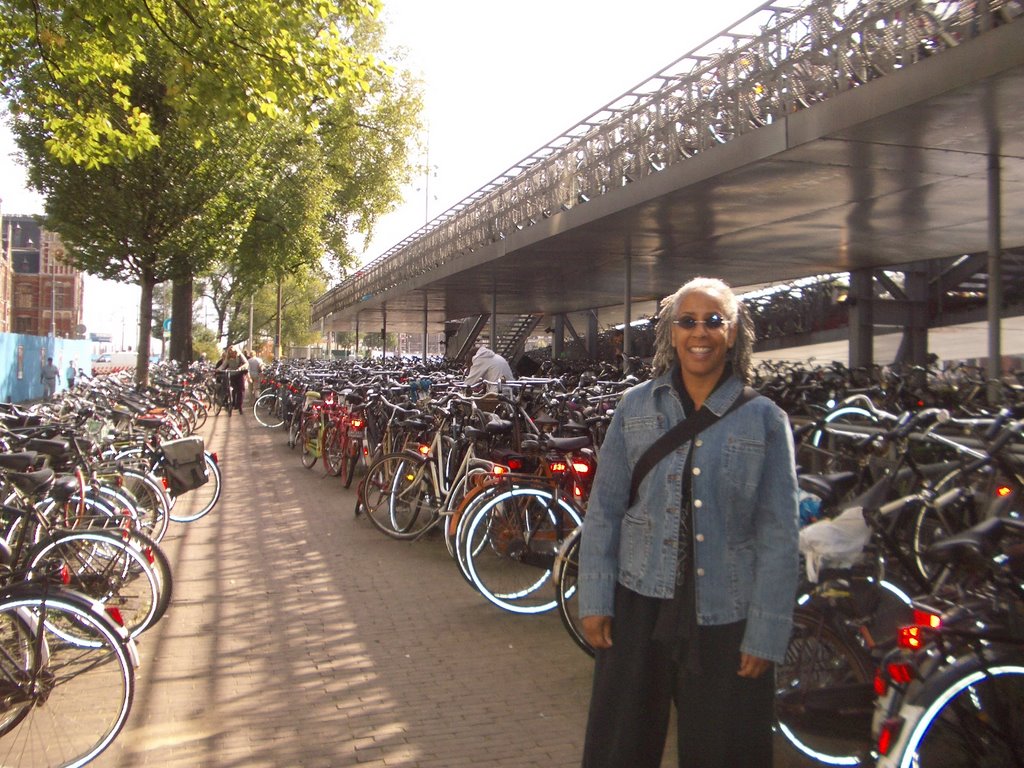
x,y
780,58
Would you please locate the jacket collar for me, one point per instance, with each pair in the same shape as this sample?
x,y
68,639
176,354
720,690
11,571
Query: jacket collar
x,y
717,402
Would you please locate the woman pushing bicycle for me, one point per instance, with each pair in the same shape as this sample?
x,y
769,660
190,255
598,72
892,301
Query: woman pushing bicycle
x,y
236,364
687,590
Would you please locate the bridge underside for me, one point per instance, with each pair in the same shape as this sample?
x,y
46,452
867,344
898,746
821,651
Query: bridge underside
x,y
890,173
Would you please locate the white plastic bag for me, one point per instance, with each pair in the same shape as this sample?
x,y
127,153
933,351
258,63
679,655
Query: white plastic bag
x,y
836,542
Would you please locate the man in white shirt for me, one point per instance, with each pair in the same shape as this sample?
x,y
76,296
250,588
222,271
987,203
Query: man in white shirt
x,y
489,366
255,369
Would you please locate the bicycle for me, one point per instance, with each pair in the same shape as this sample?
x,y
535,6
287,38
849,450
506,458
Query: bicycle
x,y
224,397
952,695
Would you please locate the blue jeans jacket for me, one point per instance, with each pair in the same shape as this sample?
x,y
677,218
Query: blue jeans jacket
x,y
744,505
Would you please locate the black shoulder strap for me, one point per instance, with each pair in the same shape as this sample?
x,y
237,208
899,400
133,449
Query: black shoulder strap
x,y
681,433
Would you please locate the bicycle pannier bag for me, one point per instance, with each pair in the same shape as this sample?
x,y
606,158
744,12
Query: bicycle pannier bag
x,y
185,464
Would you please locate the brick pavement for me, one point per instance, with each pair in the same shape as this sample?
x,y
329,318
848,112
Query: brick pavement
x,y
299,635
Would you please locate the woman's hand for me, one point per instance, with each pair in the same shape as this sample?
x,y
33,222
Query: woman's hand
x,y
598,631
752,666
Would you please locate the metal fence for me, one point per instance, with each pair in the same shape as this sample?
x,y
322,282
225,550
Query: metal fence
x,y
778,59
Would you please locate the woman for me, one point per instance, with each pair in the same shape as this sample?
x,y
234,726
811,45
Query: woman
x,y
687,594
237,365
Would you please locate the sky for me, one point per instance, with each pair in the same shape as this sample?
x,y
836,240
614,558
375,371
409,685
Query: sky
x,y
500,80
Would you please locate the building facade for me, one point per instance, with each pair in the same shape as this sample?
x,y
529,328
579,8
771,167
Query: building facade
x,y
44,294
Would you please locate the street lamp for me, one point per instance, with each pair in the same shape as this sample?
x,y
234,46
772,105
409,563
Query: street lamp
x,y
53,297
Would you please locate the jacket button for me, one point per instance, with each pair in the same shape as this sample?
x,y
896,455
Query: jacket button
x,y
700,571
700,537
696,470
698,442
697,503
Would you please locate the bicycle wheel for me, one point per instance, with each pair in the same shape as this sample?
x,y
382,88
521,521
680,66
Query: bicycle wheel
x,y
352,453
308,440
151,501
567,569
397,495
197,503
819,663
510,546
64,702
107,569
978,720
295,427
334,447
267,410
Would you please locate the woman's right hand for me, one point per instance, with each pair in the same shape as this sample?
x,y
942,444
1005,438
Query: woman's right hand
x,y
598,631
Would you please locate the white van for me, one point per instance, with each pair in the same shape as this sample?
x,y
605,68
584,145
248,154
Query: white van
x,y
111,362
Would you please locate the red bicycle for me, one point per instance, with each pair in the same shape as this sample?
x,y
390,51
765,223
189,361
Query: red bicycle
x,y
343,441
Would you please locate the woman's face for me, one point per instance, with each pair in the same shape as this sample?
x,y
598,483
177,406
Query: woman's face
x,y
702,350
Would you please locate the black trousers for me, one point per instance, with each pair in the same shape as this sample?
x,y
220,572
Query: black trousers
x,y
724,721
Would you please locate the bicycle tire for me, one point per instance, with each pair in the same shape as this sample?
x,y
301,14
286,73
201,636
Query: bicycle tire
x,y
295,427
351,461
106,568
565,576
152,503
267,410
510,545
79,694
307,440
818,659
397,495
334,445
976,720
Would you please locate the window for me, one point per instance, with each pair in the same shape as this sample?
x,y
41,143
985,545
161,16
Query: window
x,y
23,325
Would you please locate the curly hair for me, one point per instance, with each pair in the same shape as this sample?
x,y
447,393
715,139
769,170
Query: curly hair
x,y
735,311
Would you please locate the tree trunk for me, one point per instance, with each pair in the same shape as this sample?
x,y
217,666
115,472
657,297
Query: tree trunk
x,y
181,320
147,283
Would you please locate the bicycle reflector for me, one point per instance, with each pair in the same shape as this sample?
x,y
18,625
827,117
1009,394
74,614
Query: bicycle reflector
x,y
558,467
910,638
581,467
355,424
927,619
889,734
423,449
499,469
1003,491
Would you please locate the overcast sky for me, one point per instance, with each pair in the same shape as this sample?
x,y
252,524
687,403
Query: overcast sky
x,y
500,79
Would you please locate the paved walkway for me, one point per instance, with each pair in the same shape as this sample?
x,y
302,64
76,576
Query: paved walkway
x,y
300,636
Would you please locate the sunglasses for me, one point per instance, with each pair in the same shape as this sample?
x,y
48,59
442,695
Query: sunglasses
x,y
714,322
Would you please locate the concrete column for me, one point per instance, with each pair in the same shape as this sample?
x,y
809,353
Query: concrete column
x,y
861,301
995,277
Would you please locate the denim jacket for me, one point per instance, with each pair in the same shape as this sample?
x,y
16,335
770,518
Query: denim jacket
x,y
744,497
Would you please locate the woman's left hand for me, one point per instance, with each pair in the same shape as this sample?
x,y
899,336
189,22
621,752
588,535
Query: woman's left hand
x,y
752,666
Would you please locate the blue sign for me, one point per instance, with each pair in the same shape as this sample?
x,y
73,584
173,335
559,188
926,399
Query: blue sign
x,y
167,325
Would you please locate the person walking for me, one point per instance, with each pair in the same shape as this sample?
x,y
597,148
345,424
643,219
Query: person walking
x,y
487,365
255,364
688,574
48,376
236,364
69,375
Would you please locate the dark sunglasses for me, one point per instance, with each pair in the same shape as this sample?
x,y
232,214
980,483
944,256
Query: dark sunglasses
x,y
714,322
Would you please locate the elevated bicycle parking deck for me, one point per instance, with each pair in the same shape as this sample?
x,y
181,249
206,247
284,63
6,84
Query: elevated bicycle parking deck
x,y
807,139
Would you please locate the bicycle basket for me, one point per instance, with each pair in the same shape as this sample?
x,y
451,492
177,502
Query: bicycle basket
x,y
184,464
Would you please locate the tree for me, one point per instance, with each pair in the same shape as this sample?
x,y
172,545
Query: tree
x,y
67,66
232,308
168,136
